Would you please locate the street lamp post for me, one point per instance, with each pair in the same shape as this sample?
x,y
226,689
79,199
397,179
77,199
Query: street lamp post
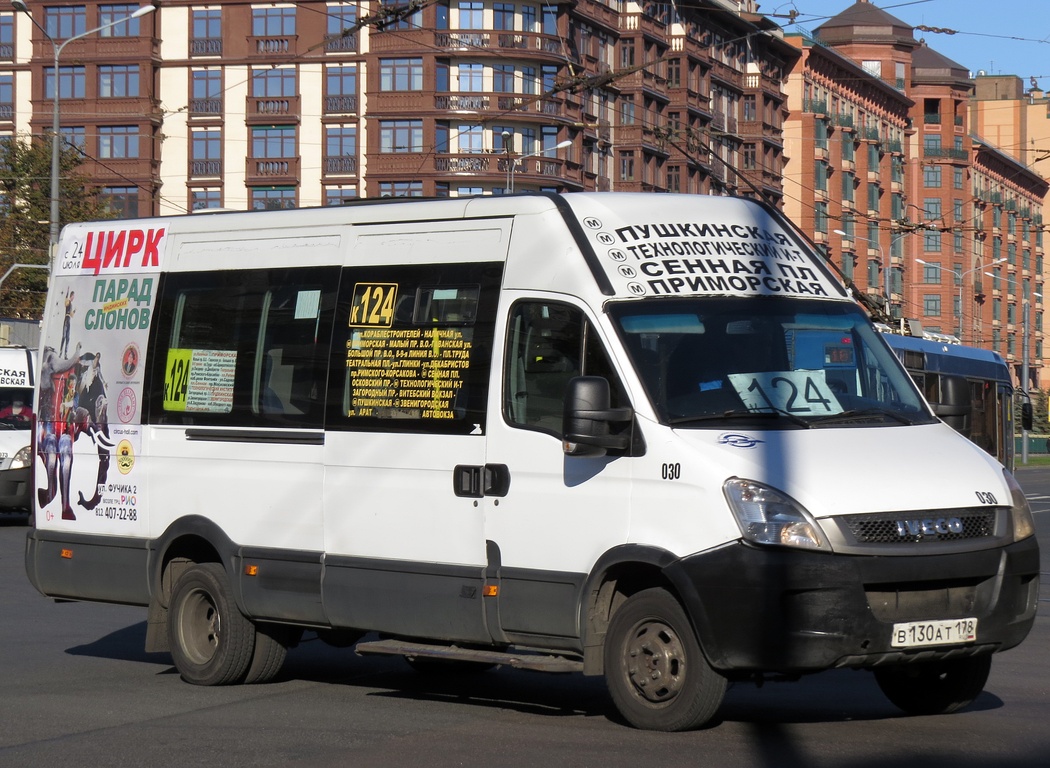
x,y
960,276
514,163
56,144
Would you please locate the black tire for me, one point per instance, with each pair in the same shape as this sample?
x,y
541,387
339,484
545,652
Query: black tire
x,y
935,687
211,641
656,673
271,648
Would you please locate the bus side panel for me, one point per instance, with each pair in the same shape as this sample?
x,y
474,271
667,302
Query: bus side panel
x,y
104,568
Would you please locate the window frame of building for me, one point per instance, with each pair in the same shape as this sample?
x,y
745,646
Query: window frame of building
x,y
203,198
393,131
62,22
931,176
401,189
274,82
124,201
118,142
128,28
400,74
72,82
931,305
931,273
470,139
503,15
206,151
340,148
206,31
470,77
271,198
339,194
273,142
273,21
206,92
503,78
118,81
340,82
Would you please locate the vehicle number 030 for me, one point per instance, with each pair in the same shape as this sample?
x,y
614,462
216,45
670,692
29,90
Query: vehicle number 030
x,y
671,471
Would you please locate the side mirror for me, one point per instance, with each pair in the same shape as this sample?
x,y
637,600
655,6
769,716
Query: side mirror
x,y
1026,416
955,403
587,417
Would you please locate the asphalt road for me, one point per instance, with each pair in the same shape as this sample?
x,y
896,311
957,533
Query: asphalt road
x,y
76,689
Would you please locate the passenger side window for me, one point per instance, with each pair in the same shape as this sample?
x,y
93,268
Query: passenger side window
x,y
413,348
548,344
244,348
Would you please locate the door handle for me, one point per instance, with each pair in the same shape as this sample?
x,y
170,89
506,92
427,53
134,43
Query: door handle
x,y
474,482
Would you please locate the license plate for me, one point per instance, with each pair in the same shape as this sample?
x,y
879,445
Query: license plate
x,y
912,634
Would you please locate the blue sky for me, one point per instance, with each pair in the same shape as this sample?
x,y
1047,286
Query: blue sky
x,y
1010,37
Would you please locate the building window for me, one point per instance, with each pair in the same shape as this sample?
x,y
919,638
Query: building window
x,y
401,74
206,92
957,181
7,97
205,197
273,142
471,139
273,82
401,189
340,149
820,217
503,16
273,22
206,152
503,78
528,18
339,195
206,32
469,191
400,136
471,78
341,28
931,273
674,178
626,166
627,52
674,78
471,14
931,304
65,21
7,36
749,157
71,82
271,198
118,142
627,110
122,202
74,136
118,81
110,13
341,88
872,67
931,176
750,108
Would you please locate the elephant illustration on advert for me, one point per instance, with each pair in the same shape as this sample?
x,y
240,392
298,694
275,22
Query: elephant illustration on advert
x,y
73,402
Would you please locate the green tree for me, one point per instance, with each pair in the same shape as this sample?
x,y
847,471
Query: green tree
x,y
25,209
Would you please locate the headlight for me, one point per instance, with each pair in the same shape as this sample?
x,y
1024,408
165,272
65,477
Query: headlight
x,y
767,516
1020,512
22,459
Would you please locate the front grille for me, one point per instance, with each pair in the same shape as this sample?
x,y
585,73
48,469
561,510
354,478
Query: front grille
x,y
922,526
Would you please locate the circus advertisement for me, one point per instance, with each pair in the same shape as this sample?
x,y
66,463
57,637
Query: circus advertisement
x,y
89,426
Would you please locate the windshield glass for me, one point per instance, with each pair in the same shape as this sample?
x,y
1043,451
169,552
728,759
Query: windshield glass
x,y
809,363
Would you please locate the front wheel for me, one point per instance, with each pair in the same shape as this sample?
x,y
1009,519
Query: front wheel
x,y
212,643
656,673
935,687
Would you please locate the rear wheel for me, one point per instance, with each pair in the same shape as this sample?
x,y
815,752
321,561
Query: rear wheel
x,y
935,687
211,641
657,675
271,647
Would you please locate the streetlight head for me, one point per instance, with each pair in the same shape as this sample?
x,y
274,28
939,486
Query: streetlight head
x,y
562,144
920,261
839,232
1000,261
139,12
505,134
20,6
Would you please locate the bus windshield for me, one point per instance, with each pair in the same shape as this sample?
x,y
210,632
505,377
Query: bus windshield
x,y
708,361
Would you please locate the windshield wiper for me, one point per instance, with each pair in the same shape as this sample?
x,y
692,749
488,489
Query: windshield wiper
x,y
860,413
740,413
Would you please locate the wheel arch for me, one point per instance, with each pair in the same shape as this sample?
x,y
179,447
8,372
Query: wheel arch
x,y
188,540
618,574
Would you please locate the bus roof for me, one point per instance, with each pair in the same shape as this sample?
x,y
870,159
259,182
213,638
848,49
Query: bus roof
x,y
951,358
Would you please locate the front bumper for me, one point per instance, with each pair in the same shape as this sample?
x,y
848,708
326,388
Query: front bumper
x,y
774,610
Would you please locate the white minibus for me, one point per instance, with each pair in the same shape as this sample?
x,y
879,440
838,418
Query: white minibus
x,y
649,437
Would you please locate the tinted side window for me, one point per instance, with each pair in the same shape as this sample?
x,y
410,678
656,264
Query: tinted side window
x,y
243,348
412,348
548,344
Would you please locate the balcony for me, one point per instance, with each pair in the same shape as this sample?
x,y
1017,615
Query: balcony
x,y
273,45
340,105
945,153
342,44
272,170
340,166
205,169
205,107
206,46
469,163
267,108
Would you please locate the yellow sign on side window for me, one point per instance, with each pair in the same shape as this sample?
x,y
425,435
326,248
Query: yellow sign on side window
x,y
177,379
373,305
